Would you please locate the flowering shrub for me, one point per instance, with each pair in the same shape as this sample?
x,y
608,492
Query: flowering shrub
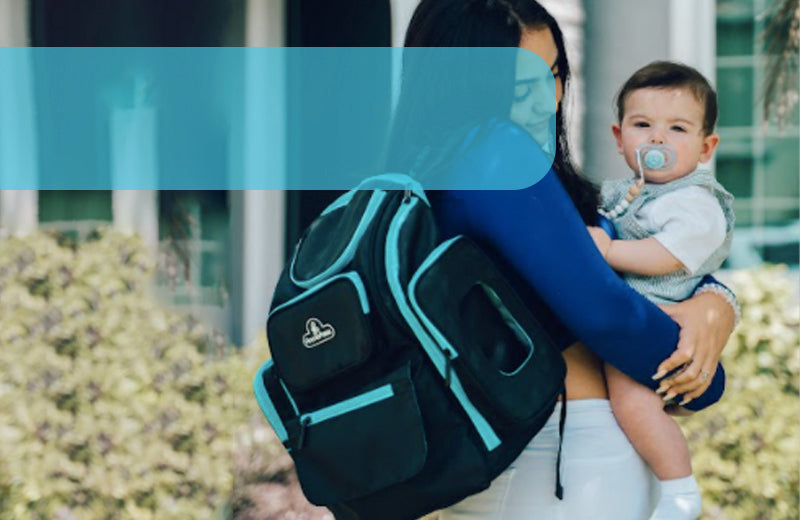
x,y
110,407
746,448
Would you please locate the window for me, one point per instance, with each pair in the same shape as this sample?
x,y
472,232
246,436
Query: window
x,y
74,214
193,247
758,163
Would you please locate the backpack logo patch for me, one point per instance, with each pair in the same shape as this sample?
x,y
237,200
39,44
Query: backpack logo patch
x,y
317,333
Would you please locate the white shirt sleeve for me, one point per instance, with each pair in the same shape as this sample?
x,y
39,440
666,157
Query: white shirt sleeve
x,y
690,222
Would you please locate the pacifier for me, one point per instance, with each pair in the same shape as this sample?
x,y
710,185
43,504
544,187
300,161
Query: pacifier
x,y
656,156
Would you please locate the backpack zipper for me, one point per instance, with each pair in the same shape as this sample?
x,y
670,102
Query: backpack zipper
x,y
342,408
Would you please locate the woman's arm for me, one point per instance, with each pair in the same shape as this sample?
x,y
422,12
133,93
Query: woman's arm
x,y
540,234
710,284
707,321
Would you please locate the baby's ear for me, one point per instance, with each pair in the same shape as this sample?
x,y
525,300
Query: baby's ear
x,y
617,131
710,143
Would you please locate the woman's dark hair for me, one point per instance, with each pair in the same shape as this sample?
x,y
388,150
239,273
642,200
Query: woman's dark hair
x,y
445,94
670,74
483,23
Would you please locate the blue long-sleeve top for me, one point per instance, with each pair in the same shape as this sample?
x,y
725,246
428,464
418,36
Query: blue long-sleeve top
x,y
537,234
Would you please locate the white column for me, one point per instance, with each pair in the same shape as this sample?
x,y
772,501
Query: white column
x,y
265,23
136,212
19,212
401,11
134,164
19,209
258,217
692,38
14,23
570,17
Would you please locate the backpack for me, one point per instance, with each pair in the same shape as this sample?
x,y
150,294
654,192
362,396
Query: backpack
x,y
406,374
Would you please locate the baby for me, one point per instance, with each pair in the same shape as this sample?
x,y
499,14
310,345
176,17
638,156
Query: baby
x,y
675,223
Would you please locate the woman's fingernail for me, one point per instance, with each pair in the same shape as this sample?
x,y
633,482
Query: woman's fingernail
x,y
686,400
669,396
659,374
661,390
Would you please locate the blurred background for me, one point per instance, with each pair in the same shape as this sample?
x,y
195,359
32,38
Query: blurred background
x,y
198,267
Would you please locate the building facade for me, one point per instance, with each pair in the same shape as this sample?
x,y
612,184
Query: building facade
x,y
237,240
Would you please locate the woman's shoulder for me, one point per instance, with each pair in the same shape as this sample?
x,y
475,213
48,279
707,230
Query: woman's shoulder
x,y
502,155
502,135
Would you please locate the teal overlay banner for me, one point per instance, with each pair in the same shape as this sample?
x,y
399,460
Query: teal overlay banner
x,y
268,118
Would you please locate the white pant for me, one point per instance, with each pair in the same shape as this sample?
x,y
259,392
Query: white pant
x,y
603,476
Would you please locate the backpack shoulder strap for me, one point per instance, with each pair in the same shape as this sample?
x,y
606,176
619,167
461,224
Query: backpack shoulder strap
x,y
394,181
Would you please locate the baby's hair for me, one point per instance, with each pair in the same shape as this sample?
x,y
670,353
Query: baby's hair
x,y
669,74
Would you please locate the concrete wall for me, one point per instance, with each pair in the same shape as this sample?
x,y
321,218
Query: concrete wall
x,y
621,36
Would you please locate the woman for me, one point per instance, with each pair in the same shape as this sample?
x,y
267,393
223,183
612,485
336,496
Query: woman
x,y
541,239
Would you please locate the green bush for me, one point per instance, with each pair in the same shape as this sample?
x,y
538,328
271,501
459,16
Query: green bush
x,y
110,406
746,448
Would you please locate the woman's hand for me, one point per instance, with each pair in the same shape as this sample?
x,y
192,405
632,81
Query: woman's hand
x,y
706,323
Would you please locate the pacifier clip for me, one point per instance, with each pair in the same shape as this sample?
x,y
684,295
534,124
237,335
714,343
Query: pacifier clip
x,y
654,157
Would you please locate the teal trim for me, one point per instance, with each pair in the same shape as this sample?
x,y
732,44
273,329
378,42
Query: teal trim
x,y
360,289
349,405
340,202
512,324
349,251
266,405
432,329
289,396
434,352
354,278
394,181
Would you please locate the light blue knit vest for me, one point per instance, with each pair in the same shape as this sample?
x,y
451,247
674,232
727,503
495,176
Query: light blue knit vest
x,y
678,285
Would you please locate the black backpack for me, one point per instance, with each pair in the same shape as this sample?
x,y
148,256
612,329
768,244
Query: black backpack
x,y
406,374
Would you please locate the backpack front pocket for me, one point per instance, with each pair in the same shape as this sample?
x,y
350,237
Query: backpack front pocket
x,y
321,333
510,368
362,444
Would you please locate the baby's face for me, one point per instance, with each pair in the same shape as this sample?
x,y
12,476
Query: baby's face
x,y
672,116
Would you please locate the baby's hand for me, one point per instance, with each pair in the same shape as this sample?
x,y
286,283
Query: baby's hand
x,y
601,239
